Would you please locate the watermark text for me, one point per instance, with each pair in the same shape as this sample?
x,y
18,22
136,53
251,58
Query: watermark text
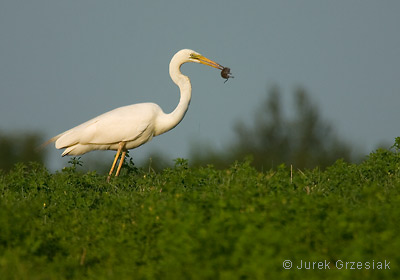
x,y
339,264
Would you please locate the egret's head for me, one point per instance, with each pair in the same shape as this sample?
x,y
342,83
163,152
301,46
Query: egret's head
x,y
187,55
198,58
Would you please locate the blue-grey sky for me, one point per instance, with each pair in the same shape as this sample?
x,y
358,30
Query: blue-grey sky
x,y
64,62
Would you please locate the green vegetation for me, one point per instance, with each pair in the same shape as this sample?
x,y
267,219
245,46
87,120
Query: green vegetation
x,y
201,223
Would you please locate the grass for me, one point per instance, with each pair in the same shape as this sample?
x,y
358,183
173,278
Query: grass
x,y
202,223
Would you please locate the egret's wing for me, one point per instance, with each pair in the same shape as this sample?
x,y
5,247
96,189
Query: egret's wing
x,y
122,124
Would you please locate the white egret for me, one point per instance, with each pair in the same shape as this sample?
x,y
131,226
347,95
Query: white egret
x,y
130,126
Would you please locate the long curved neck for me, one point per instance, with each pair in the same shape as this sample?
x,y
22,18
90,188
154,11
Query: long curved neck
x,y
169,121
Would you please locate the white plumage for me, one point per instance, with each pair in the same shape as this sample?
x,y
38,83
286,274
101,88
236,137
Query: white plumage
x,y
133,124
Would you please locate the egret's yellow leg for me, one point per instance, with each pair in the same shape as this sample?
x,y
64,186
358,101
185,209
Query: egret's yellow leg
x,y
120,163
113,165
121,145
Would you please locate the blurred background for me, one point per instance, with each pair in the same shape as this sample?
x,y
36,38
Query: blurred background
x,y
314,81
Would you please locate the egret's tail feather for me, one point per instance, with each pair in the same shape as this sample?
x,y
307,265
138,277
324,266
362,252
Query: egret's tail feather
x,y
54,139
